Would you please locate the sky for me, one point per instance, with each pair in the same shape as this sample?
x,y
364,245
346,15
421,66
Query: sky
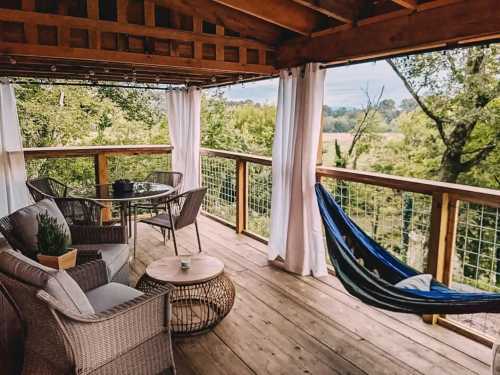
x,y
344,86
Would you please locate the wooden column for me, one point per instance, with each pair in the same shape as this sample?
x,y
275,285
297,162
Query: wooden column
x,y
241,195
102,178
149,13
93,13
443,227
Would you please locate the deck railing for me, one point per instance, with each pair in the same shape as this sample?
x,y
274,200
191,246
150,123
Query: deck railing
x,y
449,230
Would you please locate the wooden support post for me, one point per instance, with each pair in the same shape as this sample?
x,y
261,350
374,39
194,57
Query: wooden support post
x,y
262,56
93,13
241,195
442,237
243,55
30,29
219,48
102,178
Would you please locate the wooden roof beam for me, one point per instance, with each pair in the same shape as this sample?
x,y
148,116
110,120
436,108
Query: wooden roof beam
x,y
342,10
232,19
409,4
284,13
458,21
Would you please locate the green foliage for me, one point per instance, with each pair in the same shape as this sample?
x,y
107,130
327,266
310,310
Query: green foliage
x,y
52,237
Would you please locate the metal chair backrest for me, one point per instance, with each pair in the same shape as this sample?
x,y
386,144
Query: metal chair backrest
x,y
46,187
189,203
173,179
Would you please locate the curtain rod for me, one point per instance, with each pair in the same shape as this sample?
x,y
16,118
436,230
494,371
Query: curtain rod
x,y
446,47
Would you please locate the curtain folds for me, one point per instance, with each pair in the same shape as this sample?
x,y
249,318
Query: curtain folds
x,y
184,123
296,235
13,191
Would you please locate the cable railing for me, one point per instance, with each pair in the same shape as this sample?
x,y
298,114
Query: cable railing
x,y
448,230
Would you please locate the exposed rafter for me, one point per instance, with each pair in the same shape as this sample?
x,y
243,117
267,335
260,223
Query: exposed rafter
x,y
284,13
431,27
410,4
342,10
243,23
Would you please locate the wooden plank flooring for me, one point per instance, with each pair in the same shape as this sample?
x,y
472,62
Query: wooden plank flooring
x,y
286,324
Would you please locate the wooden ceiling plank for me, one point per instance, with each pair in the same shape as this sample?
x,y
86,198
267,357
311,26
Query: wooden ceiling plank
x,y
284,13
212,12
341,10
411,32
409,4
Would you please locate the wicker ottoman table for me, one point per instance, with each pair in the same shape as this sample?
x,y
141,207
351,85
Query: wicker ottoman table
x,y
203,294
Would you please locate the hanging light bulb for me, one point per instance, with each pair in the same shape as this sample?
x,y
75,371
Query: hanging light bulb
x,y
12,60
157,79
125,76
106,70
53,68
214,79
91,73
240,77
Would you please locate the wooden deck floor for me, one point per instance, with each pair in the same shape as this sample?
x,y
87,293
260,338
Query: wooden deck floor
x,y
285,324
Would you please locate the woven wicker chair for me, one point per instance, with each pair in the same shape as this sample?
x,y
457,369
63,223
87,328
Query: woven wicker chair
x,y
182,210
156,205
87,235
46,187
129,338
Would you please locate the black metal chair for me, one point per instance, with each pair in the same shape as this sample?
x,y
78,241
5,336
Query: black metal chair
x,y
46,187
182,210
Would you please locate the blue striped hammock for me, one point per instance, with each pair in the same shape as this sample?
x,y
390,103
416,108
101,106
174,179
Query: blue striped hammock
x,y
348,243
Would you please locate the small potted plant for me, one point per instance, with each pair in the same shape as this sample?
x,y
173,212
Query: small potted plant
x,y
53,244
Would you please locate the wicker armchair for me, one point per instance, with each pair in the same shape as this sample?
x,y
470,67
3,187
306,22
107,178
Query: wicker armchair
x,y
46,187
80,211
130,338
92,240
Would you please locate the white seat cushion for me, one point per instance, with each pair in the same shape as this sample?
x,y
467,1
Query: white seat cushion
x,y
58,283
110,295
115,255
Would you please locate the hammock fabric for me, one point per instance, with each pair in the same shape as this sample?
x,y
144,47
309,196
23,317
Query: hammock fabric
x,y
369,272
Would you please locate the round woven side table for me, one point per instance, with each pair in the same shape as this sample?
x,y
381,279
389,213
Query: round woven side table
x,y
203,294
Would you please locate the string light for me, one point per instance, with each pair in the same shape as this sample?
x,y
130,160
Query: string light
x,y
106,70
12,60
214,79
53,68
91,73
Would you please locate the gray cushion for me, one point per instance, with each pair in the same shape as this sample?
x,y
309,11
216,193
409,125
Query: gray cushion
x,y
418,282
110,295
115,255
57,283
26,223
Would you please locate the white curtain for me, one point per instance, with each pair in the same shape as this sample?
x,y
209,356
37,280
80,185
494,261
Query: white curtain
x,y
13,191
184,123
296,235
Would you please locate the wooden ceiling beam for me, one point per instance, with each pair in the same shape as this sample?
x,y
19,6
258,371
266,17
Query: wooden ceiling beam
x,y
133,59
243,23
409,4
284,13
95,25
342,10
427,28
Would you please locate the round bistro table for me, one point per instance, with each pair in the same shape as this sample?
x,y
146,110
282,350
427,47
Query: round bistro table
x,y
203,294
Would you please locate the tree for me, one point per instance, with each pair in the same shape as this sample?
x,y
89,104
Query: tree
x,y
363,133
456,91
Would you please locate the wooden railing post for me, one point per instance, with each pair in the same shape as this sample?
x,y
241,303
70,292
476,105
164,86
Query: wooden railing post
x,y
102,178
442,237
241,195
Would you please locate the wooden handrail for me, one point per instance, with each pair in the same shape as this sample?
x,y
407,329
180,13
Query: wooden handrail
x,y
490,197
82,151
264,160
